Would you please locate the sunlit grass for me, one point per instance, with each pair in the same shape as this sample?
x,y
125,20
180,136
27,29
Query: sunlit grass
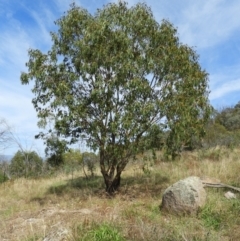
x,y
80,209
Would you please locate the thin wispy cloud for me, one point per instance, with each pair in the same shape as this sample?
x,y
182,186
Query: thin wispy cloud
x,y
14,49
41,22
226,88
207,23
200,23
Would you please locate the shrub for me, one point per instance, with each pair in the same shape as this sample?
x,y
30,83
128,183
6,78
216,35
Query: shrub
x,y
55,149
3,177
26,164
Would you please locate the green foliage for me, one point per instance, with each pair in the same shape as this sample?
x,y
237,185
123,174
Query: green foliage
x,y
147,164
26,164
72,155
104,232
90,159
229,117
211,218
55,150
72,160
223,129
154,138
215,134
235,207
3,177
4,171
110,76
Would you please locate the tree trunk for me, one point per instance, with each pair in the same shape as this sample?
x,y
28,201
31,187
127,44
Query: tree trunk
x,y
112,185
112,182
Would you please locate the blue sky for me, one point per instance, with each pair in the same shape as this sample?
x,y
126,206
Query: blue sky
x,y
212,27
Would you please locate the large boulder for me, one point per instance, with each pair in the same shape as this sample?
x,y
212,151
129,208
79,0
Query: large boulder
x,y
184,197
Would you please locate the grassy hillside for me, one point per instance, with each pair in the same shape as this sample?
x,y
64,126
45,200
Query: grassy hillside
x,y
67,207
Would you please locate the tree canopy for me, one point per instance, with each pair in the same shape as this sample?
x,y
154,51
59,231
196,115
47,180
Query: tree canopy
x,y
54,151
26,164
110,76
229,117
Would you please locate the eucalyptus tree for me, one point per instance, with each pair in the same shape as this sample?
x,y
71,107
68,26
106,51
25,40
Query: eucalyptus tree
x,y
111,75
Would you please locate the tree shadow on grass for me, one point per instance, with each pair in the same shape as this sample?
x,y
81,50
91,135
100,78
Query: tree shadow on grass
x,y
81,184
80,187
131,187
151,185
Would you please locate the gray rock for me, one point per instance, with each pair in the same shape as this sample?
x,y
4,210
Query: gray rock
x,y
230,195
57,234
184,197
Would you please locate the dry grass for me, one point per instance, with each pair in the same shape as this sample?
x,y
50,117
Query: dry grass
x,y
62,208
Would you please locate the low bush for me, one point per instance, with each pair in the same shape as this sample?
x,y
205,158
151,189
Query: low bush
x,y
3,177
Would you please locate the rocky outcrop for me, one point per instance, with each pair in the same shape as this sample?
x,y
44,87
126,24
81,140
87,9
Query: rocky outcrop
x,y
184,197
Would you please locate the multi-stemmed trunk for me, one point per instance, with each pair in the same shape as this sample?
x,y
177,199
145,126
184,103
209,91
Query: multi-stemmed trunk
x,y
112,184
111,172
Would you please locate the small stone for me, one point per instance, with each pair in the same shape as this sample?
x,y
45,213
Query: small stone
x,y
230,195
85,211
59,234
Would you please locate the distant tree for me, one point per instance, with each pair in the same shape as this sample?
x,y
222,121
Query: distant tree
x,y
224,127
72,160
73,156
237,106
4,171
229,117
55,149
26,164
90,159
154,139
110,76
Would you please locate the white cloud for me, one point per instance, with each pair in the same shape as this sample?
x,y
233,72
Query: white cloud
x,y
44,32
15,105
224,89
13,49
17,109
208,23
200,23
16,39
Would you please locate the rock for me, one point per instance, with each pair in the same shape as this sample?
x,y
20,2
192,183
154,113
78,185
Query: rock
x,y
184,197
57,234
230,195
85,211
